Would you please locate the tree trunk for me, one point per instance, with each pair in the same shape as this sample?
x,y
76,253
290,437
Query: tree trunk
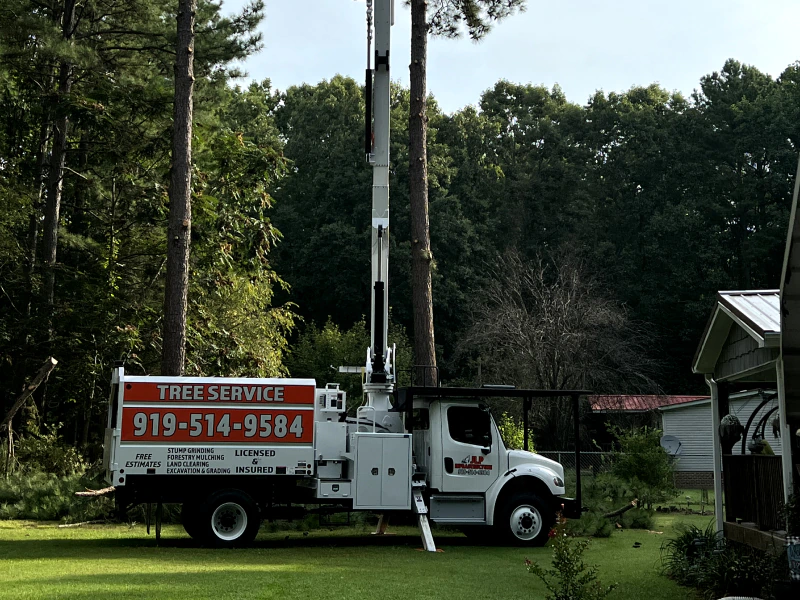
x,y
180,205
55,181
38,208
421,257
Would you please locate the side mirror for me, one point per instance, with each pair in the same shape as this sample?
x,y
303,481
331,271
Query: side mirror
x,y
485,451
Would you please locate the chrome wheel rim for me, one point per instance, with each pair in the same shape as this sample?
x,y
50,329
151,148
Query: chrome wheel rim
x,y
526,522
229,521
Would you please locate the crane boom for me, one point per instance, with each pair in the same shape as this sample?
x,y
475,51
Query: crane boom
x,y
380,376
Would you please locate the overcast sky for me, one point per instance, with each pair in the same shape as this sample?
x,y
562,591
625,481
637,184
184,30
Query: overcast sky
x,y
583,45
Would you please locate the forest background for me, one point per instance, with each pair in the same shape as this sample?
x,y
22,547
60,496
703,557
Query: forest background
x,y
632,209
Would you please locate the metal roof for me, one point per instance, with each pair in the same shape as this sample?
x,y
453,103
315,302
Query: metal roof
x,y
755,311
638,403
760,309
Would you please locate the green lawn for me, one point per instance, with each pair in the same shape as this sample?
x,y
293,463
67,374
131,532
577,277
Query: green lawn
x,y
97,562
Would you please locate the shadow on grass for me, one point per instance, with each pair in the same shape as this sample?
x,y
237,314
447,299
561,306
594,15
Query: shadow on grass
x,y
98,548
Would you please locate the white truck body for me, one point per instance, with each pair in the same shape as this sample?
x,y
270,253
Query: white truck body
x,y
286,443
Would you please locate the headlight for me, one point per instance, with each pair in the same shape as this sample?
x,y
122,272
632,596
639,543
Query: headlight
x,y
558,481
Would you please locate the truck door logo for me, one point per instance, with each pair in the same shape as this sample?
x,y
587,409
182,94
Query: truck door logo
x,y
473,465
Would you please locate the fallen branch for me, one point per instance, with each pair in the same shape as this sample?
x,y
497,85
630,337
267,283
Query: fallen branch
x,y
65,525
95,493
622,510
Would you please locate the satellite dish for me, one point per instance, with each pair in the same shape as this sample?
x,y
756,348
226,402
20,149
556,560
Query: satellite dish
x,y
671,444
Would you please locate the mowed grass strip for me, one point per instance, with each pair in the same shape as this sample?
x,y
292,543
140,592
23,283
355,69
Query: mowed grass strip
x,y
116,561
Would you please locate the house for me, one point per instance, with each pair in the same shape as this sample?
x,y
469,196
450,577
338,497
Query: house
x,y
627,411
690,423
741,350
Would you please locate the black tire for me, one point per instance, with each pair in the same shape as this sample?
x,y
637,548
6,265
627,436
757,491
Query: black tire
x,y
525,519
190,517
229,519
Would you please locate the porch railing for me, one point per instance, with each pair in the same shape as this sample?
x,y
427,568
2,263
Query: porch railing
x,y
753,486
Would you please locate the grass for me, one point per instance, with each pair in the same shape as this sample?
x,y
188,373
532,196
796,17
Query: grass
x,y
117,561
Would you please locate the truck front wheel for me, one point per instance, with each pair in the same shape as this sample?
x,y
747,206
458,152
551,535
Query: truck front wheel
x,y
526,520
229,518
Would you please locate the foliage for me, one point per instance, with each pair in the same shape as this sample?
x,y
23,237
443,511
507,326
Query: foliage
x,y
701,558
569,578
111,246
643,464
604,494
682,555
512,433
47,453
319,352
791,512
591,524
49,497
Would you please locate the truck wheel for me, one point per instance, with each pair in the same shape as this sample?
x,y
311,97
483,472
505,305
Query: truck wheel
x,y
190,517
229,518
526,520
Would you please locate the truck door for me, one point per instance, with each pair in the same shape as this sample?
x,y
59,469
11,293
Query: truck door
x,y
471,457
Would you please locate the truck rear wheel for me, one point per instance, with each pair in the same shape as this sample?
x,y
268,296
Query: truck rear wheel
x,y
526,520
228,519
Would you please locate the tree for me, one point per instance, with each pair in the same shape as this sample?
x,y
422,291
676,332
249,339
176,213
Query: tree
x,y
180,198
447,18
55,181
547,324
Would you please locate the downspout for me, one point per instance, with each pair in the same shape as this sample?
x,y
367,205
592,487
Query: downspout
x,y
786,434
717,452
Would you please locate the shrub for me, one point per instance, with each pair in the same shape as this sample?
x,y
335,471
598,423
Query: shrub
x,y
643,464
702,559
682,556
512,433
736,570
569,578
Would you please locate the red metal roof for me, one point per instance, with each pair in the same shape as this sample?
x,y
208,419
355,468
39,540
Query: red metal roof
x,y
638,403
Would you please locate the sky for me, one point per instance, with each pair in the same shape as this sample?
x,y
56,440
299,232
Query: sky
x,y
581,45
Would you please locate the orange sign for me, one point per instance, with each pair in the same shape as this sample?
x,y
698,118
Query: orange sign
x,y
248,393
180,425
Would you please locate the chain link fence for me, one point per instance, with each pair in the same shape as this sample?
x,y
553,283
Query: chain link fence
x,y
592,462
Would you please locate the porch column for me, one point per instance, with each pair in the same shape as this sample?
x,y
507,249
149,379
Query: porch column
x,y
715,419
786,434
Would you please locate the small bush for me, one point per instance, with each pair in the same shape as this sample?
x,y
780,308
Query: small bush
x,y
569,578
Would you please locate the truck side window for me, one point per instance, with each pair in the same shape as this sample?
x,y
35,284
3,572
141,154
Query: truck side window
x,y
469,425
420,419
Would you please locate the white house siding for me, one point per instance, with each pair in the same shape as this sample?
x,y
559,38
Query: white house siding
x,y
691,424
743,407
